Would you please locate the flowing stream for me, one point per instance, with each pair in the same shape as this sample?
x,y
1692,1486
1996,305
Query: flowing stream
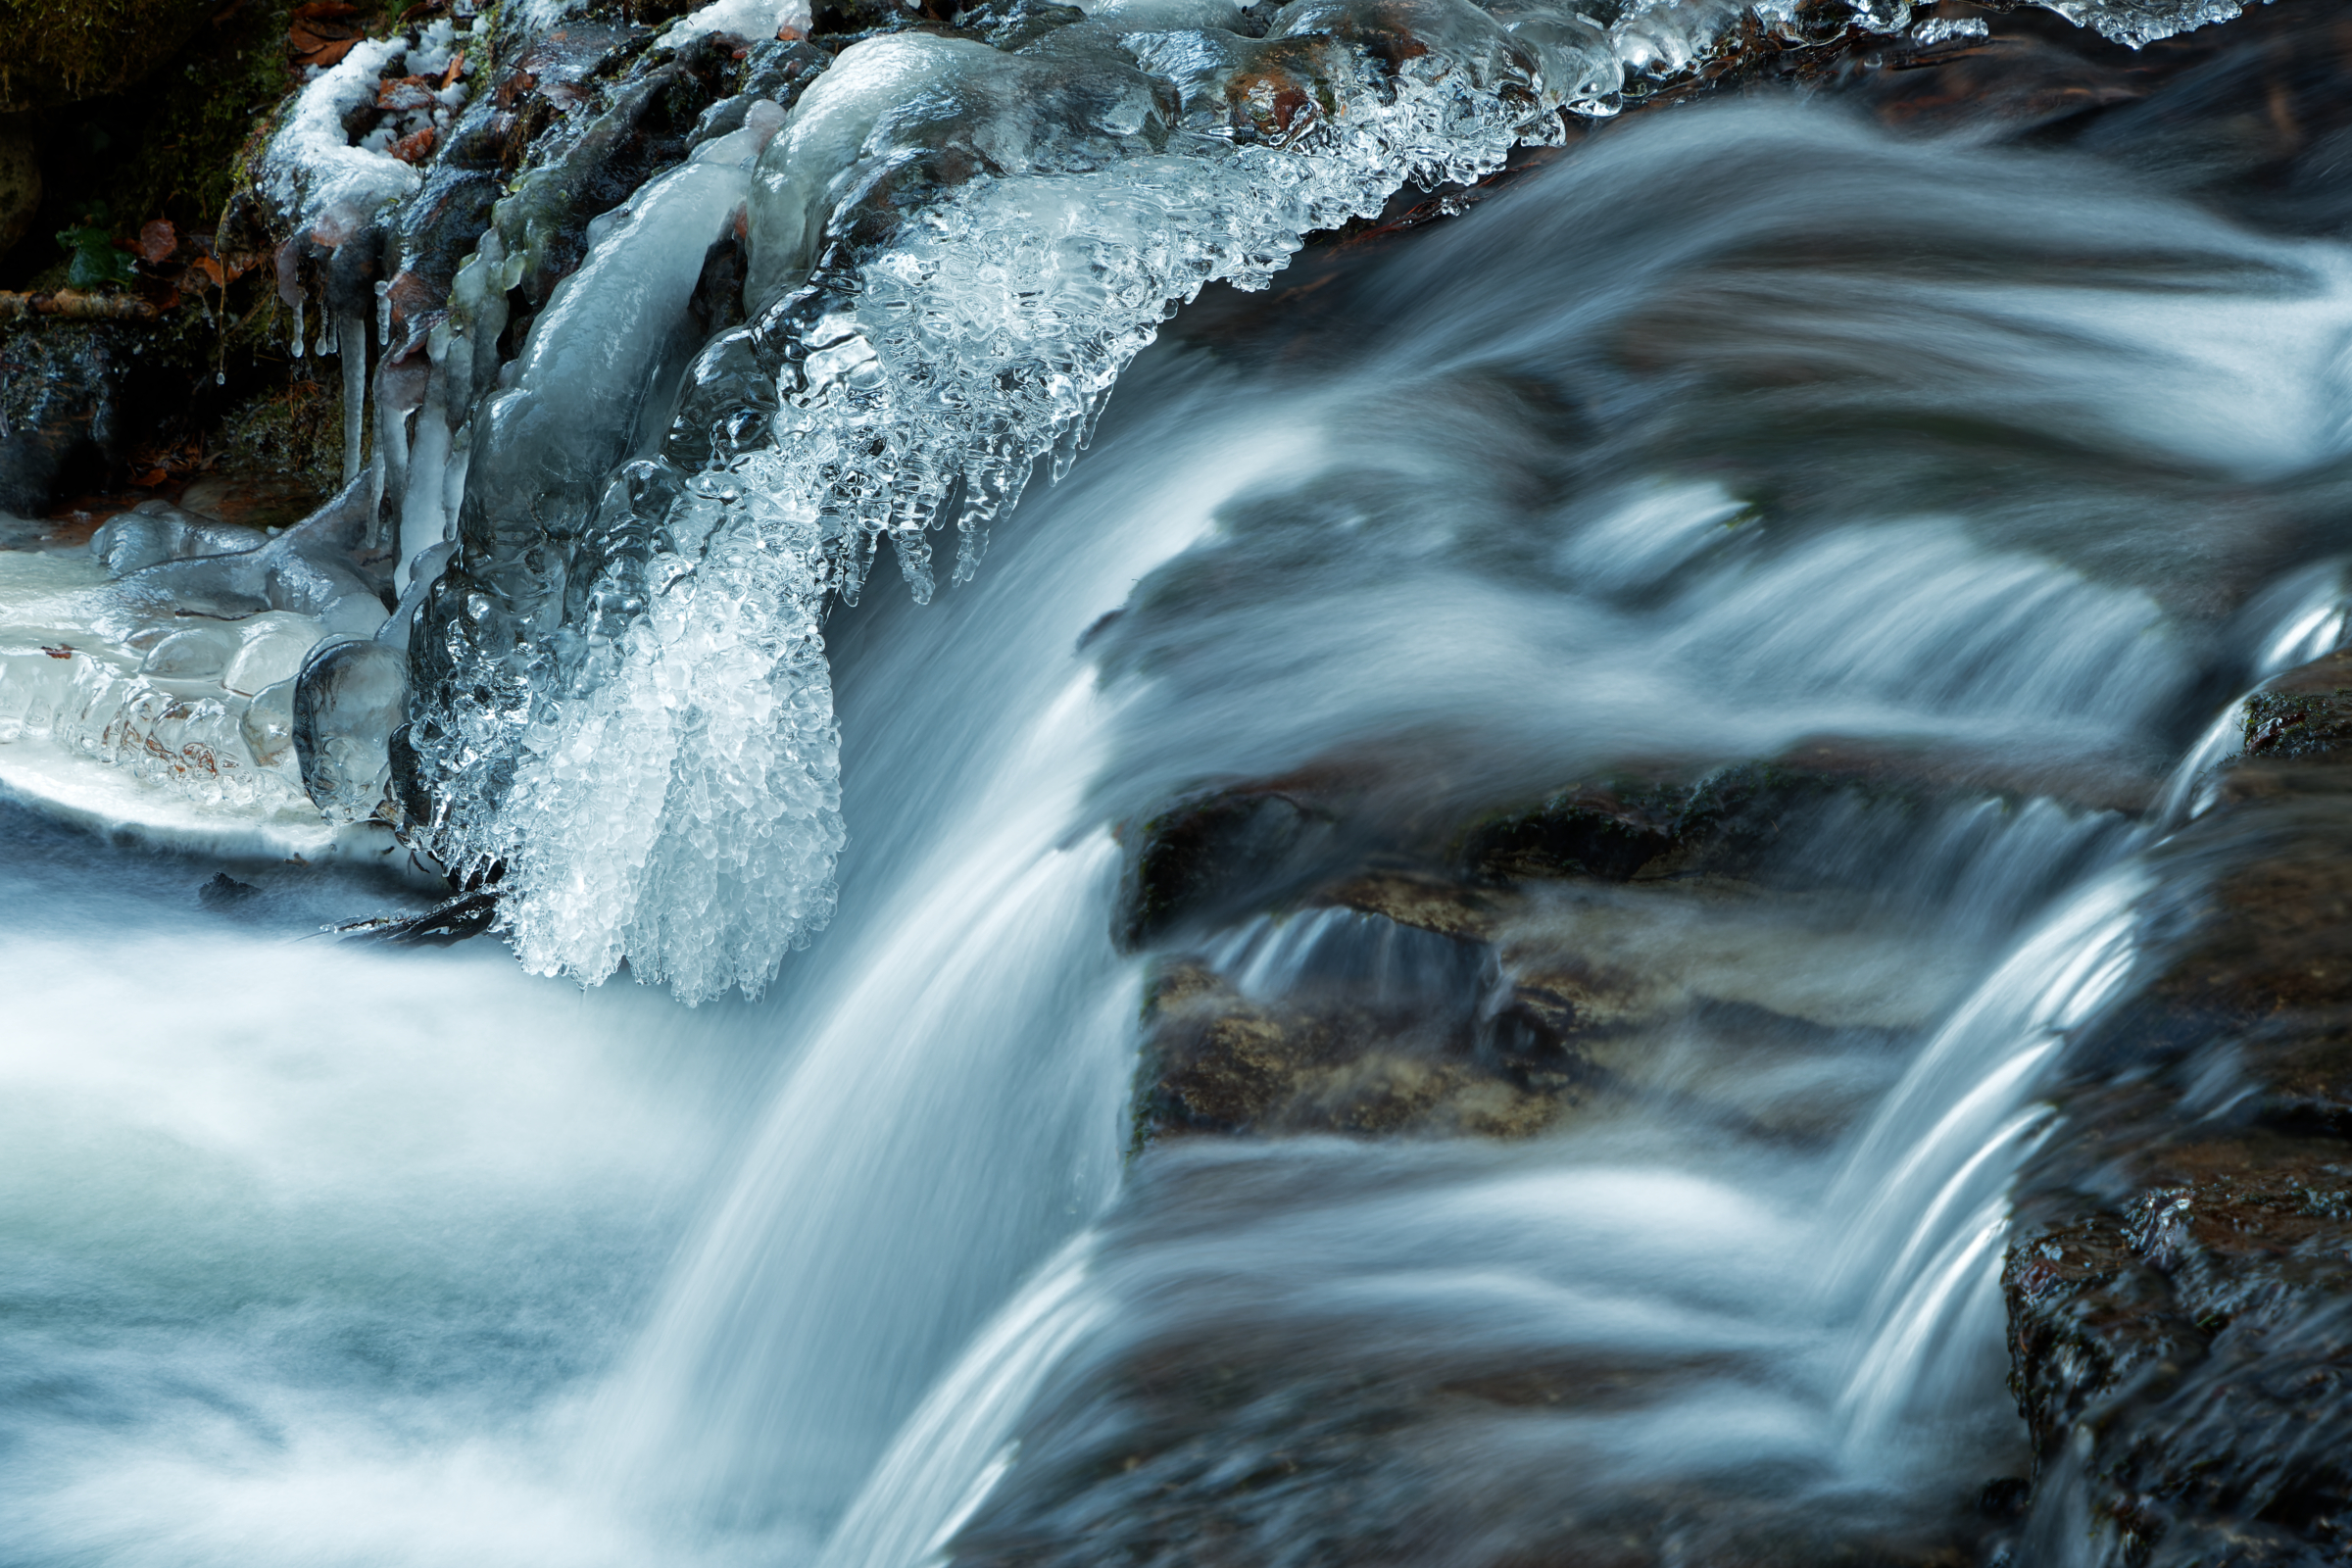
x,y
1735,430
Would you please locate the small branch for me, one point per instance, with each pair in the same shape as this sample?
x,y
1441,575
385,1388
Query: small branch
x,y
76,304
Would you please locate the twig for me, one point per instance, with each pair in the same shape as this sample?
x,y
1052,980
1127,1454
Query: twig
x,y
71,301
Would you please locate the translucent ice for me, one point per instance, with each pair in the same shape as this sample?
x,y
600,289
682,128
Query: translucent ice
x,y
155,532
349,698
270,648
949,254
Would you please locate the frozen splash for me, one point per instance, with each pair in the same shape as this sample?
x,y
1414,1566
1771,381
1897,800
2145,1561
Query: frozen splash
x,y
675,801
619,701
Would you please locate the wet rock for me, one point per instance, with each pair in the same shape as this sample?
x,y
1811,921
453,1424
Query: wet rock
x,y
1409,1006
1204,858
2306,712
62,397
1756,820
1234,1420
1214,1061
2181,1285
226,892
1428,903
595,161
1606,831
1684,919
1823,812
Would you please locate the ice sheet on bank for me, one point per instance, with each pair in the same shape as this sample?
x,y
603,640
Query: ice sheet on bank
x,y
105,800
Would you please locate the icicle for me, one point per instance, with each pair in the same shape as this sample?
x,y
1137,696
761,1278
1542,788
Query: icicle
x,y
297,327
423,519
391,440
383,315
452,484
351,334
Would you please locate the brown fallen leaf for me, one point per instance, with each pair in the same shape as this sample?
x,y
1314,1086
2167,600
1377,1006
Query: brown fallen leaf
x,y
415,147
405,93
324,31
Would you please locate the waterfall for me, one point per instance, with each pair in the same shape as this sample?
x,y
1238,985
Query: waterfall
x,y
1653,1197
955,1092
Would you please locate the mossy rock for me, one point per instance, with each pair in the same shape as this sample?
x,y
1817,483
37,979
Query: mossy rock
x,y
64,51
2305,713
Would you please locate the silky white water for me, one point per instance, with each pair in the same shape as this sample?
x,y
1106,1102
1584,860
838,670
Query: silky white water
x,y
324,1255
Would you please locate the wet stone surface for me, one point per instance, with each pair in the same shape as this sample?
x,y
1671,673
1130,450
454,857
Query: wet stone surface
x,y
2179,1289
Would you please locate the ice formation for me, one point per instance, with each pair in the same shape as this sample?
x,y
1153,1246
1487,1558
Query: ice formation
x,y
315,174
858,321
172,651
741,18
672,796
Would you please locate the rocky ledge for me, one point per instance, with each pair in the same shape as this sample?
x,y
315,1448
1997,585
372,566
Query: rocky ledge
x,y
2179,1287
1554,959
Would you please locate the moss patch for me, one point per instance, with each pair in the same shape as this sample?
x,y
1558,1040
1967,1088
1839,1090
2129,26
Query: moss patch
x,y
60,51
295,432
210,101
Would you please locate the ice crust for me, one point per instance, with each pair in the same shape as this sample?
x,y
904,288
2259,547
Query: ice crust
x,y
673,799
85,671
618,697
313,171
740,19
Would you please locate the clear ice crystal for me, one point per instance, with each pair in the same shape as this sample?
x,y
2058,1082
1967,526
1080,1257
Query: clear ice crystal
x,y
952,252
674,794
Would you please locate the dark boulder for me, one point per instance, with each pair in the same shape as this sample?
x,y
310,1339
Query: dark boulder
x,y
61,395
2179,1290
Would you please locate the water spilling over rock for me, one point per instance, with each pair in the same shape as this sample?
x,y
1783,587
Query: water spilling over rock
x,y
1459,953
664,331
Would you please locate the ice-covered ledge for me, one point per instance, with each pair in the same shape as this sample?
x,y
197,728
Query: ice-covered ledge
x,y
125,712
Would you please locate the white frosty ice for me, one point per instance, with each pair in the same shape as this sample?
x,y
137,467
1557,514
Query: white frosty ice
x,y
311,171
742,18
676,804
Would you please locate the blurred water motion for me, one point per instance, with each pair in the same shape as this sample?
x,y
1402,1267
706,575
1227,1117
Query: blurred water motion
x,y
1954,490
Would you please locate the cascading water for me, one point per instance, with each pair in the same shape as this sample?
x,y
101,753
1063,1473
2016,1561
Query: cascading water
x,y
1666,459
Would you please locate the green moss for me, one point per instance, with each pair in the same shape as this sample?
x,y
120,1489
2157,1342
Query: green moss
x,y
93,259
60,51
295,431
212,106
